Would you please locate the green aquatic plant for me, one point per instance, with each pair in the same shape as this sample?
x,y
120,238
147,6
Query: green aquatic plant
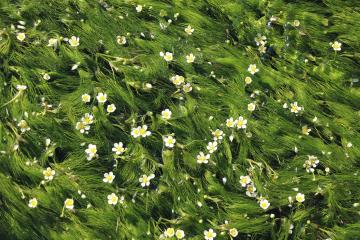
x,y
179,119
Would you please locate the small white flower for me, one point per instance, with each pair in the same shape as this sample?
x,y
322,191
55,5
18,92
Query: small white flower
x,y
190,58
180,234
85,98
218,134
168,56
248,80
166,114
202,158
300,197
253,69
187,87
245,180
169,141
111,108
23,125
212,147
139,8
82,127
52,42
87,119
21,87
230,123
46,77
119,148
21,36
233,232
295,108
121,40
109,177
305,130
209,234
169,232
49,174
336,46
189,30
74,41
69,203
101,97
177,80
264,204
296,23
33,203
145,180
251,107
140,131
91,151
241,123
112,199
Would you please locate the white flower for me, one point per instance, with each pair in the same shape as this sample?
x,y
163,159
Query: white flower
x,y
85,98
21,87
251,107
190,58
251,190
145,180
300,197
233,232
202,158
187,87
296,23
264,204
69,203
180,234
168,56
260,40
189,30
101,97
218,134
253,69
49,174
212,147
108,177
169,141
87,119
33,203
209,234
139,8
140,131
169,232
119,148
248,80
166,114
305,130
121,40
111,108
295,108
245,180
230,123
46,77
91,151
82,127
52,42
241,123
336,46
74,41
23,126
21,36
177,80
112,199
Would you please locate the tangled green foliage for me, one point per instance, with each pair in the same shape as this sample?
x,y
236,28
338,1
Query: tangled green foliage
x,y
298,64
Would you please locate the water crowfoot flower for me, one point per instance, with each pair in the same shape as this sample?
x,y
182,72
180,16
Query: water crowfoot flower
x,y
101,97
253,69
74,41
212,147
169,141
109,177
69,203
119,148
241,123
264,204
300,197
166,114
49,174
85,98
168,56
189,30
112,199
169,232
145,180
91,151
209,234
202,158
33,203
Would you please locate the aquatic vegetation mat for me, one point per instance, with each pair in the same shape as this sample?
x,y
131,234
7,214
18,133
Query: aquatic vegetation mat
x,y
179,119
